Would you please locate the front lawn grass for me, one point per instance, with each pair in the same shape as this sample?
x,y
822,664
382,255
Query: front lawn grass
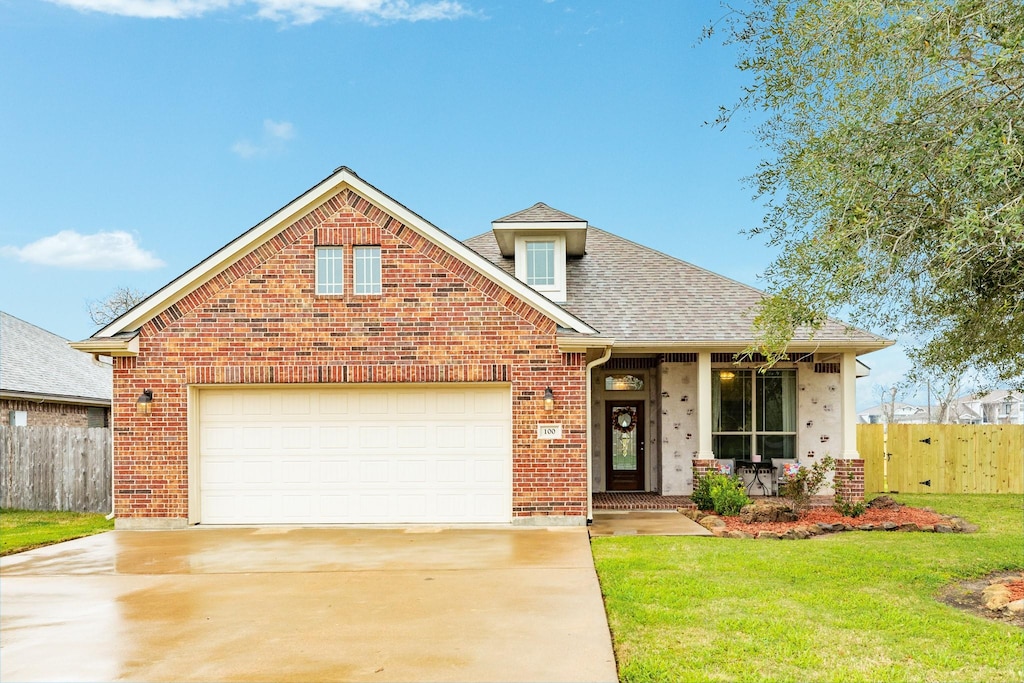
x,y
26,529
855,606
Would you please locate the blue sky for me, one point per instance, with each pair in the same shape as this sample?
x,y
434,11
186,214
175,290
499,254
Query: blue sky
x,y
138,136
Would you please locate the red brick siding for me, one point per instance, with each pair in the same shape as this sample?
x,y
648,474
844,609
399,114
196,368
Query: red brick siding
x,y
437,320
849,479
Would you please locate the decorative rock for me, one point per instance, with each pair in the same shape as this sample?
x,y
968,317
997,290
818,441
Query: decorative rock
x,y
736,533
691,513
825,527
866,527
813,530
767,511
845,527
884,503
962,525
909,526
801,532
928,527
889,526
1015,607
712,522
943,529
768,534
996,596
788,535
720,531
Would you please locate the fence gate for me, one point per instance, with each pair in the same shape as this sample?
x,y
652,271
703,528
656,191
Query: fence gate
x,y
944,458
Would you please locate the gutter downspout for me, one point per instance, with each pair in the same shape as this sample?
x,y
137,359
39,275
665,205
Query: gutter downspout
x,y
590,430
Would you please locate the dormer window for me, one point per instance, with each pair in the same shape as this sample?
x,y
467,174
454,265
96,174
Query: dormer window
x,y
540,239
540,263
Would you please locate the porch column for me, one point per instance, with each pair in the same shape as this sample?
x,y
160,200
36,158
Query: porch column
x,y
704,451
848,377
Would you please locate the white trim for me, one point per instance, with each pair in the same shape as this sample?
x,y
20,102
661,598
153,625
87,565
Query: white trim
x,y
209,267
108,346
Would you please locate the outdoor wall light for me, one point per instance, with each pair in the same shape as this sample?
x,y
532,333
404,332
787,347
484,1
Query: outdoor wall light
x,y
144,403
549,399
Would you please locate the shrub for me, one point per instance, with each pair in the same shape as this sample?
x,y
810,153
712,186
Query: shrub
x,y
848,509
701,495
729,496
723,494
799,487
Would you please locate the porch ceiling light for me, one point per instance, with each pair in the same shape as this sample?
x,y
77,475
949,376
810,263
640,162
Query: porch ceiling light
x,y
549,399
144,403
727,375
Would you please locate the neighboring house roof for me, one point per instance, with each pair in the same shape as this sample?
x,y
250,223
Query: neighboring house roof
x,y
642,297
37,364
539,213
113,337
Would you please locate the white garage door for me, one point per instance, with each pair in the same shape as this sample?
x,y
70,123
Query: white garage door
x,y
355,455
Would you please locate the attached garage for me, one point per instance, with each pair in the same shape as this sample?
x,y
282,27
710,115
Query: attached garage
x,y
354,454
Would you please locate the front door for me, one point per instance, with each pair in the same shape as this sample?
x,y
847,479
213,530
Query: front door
x,y
624,445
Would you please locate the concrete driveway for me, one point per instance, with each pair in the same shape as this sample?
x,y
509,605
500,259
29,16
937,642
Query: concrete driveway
x,y
306,604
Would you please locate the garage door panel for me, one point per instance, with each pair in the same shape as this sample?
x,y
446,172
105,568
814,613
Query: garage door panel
x,y
355,455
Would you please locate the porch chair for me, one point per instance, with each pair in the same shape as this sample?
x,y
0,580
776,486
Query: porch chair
x,y
726,466
783,468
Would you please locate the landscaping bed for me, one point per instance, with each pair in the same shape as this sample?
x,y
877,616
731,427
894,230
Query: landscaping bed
x,y
776,520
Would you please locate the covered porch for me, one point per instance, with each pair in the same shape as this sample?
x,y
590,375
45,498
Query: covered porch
x,y
659,420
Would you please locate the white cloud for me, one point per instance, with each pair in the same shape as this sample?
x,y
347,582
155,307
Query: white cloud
x,y
149,9
291,11
115,250
275,135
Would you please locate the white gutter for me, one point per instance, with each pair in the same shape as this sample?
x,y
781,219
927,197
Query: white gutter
x,y
590,430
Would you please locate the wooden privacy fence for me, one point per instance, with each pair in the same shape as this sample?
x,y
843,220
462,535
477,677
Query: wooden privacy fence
x,y
944,458
55,468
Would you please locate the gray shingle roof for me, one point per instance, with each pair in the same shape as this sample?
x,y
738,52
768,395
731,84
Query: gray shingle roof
x,y
636,294
35,361
539,213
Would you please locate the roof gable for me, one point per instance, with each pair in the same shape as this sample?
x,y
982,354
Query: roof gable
x,y
539,213
381,206
37,362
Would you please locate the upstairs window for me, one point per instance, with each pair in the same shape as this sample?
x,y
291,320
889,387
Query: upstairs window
x,y
330,270
367,268
540,263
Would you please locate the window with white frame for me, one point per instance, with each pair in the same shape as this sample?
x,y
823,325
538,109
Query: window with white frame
x,y
540,263
753,413
330,270
367,270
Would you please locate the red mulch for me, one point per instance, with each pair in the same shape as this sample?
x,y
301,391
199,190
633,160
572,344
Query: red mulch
x,y
1016,589
902,515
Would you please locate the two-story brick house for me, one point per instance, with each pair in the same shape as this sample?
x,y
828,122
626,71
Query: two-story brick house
x,y
346,361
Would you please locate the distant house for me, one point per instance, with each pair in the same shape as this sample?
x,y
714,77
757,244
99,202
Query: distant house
x,y
890,413
995,407
44,382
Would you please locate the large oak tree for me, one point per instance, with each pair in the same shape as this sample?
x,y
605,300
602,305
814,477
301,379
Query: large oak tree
x,y
894,173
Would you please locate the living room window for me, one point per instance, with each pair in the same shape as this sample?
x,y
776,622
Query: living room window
x,y
753,413
330,270
367,268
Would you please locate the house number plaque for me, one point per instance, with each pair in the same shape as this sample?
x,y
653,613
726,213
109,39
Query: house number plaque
x,y
549,431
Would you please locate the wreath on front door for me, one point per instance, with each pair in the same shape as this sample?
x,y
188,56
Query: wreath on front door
x,y
623,420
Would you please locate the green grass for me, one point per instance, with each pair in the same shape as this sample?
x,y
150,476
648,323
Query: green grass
x,y
857,606
26,529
